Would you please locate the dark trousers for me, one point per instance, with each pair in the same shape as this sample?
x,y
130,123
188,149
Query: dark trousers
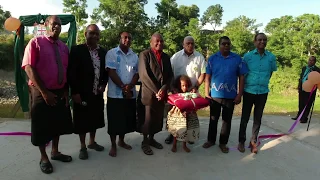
x,y
303,99
259,101
227,107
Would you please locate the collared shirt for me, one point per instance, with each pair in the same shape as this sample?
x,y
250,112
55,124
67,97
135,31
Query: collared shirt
x,y
224,73
126,66
192,66
158,56
96,67
260,69
306,73
40,55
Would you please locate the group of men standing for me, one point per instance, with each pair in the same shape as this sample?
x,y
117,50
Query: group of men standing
x,y
88,68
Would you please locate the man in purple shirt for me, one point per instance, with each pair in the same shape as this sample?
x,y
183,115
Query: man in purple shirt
x,y
45,62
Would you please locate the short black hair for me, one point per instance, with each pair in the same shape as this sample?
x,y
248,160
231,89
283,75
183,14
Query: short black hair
x,y
255,36
315,59
223,38
49,18
180,78
90,26
119,35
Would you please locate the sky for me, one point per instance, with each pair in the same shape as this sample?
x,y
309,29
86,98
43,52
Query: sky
x,y
262,11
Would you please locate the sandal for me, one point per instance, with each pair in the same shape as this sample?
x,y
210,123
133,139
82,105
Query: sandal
x,y
155,144
146,149
96,147
224,148
83,154
207,144
61,157
46,167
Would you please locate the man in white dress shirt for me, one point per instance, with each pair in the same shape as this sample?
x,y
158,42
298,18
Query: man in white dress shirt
x,y
122,67
191,63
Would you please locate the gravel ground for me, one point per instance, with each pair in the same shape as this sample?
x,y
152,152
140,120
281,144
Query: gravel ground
x,y
8,94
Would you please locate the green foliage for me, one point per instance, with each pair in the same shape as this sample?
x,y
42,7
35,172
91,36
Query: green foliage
x,y
117,16
293,39
213,16
78,9
3,16
239,30
6,51
284,80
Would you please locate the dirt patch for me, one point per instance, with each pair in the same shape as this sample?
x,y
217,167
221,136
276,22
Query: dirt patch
x,y
8,93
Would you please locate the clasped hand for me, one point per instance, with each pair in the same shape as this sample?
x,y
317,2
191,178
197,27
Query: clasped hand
x,y
160,95
126,89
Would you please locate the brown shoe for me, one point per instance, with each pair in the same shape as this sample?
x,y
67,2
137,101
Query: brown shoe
x,y
241,147
253,147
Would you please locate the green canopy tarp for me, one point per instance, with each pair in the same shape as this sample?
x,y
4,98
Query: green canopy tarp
x,y
20,75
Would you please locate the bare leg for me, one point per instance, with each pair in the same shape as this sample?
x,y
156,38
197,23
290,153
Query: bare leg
x,y
185,147
82,140
44,156
113,150
92,137
55,146
122,144
174,145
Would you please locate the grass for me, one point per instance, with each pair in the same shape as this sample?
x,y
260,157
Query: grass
x,y
277,104
6,111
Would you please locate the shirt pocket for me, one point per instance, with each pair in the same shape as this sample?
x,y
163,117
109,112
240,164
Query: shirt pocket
x,y
132,66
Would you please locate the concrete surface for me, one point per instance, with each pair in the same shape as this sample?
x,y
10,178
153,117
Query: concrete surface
x,y
293,157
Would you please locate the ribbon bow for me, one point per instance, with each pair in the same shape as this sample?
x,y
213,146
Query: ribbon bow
x,y
189,96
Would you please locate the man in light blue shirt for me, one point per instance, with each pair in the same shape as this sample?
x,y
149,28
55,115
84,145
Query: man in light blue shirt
x,y
261,64
222,73
122,65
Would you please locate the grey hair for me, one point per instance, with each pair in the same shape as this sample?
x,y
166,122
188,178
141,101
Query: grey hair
x,y
190,38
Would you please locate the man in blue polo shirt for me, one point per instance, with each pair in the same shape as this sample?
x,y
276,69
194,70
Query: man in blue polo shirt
x,y
261,63
222,73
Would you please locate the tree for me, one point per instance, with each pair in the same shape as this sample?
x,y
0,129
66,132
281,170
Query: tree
x,y
3,16
126,15
213,16
173,36
241,31
293,39
78,9
187,13
166,10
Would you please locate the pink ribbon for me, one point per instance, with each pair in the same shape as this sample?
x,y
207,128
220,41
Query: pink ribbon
x,y
17,134
266,136
293,126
